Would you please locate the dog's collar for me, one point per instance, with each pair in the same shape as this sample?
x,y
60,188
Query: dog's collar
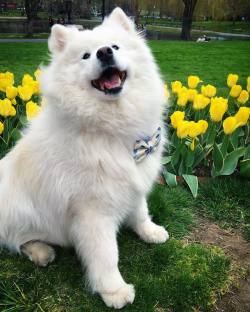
x,y
146,146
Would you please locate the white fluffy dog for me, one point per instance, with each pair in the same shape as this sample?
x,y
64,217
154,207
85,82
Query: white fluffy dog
x,y
89,159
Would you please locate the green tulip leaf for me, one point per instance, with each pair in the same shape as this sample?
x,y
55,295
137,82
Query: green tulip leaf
x,y
214,173
192,182
15,135
175,141
182,168
231,161
247,152
23,120
170,178
199,155
245,168
218,158
224,145
235,137
165,160
189,158
211,134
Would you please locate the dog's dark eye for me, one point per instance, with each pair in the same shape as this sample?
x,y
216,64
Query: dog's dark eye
x,y
115,47
86,56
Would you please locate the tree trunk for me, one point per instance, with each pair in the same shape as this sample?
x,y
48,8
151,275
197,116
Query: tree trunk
x,y
103,9
136,13
69,11
161,8
187,18
31,9
87,9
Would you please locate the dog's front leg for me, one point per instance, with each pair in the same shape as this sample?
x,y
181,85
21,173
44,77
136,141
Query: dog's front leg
x,y
140,221
94,236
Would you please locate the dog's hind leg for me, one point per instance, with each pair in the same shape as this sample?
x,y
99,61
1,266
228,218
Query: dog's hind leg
x,y
39,252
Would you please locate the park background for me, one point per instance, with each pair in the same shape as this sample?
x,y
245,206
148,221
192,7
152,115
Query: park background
x,y
205,264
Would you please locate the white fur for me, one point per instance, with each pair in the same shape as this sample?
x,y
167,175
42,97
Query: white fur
x,y
72,180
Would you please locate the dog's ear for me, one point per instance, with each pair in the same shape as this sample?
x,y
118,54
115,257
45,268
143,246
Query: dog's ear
x,y
118,16
58,38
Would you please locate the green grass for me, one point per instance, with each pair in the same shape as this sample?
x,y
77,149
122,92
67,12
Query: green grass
x,y
217,26
211,62
176,59
21,58
224,26
226,201
174,33
172,276
23,36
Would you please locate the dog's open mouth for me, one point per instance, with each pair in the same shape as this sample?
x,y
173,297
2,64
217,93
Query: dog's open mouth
x,y
111,81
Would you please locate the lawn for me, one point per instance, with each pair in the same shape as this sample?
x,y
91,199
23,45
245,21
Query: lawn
x,y
176,276
217,26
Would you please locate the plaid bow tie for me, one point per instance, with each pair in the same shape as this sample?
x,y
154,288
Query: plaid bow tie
x,y
146,146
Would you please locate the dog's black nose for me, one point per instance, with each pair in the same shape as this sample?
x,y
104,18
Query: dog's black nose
x,y
105,55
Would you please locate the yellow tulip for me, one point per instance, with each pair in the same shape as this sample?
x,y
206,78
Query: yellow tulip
x,y
182,129
232,80
193,81
6,108
25,92
203,125
36,87
176,86
248,84
37,73
194,129
12,111
218,108
235,91
229,125
191,94
1,127
32,110
11,92
243,97
208,90
6,79
27,79
182,98
13,101
242,115
192,145
200,101
176,117
182,89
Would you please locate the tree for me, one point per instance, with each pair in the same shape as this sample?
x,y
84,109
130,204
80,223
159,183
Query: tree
x,y
87,9
187,18
103,9
31,9
136,12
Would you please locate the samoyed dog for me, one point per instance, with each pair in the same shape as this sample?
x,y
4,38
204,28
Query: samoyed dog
x,y
86,164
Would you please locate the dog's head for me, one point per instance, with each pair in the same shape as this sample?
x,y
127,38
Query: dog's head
x,y
94,70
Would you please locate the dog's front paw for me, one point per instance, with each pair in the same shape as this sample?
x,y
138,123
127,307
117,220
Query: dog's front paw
x,y
120,298
153,233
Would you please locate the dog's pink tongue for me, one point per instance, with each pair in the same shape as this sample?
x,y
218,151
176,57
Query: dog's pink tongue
x,y
113,82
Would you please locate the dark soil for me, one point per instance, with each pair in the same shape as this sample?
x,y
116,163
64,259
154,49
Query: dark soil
x,y
238,249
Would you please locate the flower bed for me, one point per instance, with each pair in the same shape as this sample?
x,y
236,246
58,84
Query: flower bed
x,y
207,131
18,104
